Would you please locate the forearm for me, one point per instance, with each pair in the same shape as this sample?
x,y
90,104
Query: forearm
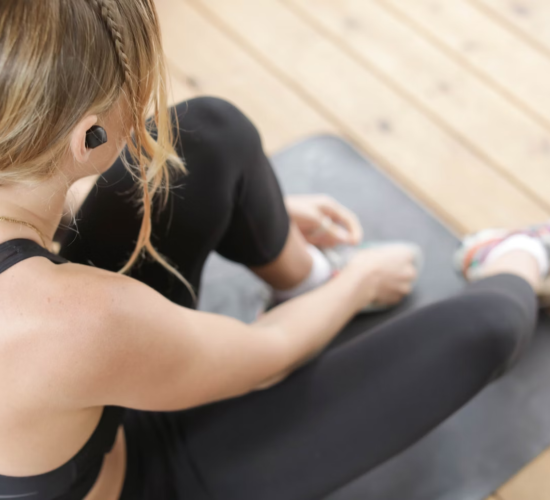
x,y
310,322
165,357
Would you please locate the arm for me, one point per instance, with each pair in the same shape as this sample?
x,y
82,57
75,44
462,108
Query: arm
x,y
145,352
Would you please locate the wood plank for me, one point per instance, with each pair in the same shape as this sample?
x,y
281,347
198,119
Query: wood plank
x,y
532,483
416,151
483,119
178,88
211,63
527,18
224,56
487,48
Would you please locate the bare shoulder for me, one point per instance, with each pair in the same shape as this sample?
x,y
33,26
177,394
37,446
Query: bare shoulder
x,y
56,323
81,337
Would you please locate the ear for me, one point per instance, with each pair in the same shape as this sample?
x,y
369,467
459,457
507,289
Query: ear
x,y
78,139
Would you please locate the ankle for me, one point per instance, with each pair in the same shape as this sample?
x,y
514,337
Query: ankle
x,y
291,267
298,274
518,262
319,273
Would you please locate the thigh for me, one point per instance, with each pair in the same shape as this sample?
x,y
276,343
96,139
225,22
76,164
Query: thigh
x,y
362,402
228,201
158,466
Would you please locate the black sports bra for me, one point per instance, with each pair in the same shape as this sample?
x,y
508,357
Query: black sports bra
x,y
75,479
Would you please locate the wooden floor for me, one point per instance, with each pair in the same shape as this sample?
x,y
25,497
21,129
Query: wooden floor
x,y
451,98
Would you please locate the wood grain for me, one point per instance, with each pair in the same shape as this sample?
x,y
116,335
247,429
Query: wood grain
x,y
430,162
469,109
209,62
485,47
529,19
178,88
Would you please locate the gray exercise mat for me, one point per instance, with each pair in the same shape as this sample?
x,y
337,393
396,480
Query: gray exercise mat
x,y
488,441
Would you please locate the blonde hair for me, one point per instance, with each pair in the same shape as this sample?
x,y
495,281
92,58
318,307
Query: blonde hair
x,y
63,59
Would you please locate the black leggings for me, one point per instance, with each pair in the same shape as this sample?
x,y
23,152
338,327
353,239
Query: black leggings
x,y
355,406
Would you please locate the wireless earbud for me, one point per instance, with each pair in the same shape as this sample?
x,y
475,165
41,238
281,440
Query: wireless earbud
x,y
95,137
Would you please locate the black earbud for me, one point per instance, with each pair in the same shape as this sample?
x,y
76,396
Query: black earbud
x,y
95,137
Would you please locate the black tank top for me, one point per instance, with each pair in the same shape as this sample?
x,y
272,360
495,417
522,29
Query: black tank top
x,y
75,479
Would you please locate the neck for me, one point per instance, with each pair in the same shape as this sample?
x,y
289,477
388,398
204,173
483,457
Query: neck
x,y
40,205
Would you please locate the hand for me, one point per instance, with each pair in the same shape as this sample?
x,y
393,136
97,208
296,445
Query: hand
x,y
386,274
323,221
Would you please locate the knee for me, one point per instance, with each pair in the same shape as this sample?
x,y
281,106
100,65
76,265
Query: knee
x,y
499,328
219,125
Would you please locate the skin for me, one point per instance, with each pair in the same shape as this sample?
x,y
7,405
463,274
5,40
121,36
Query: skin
x,y
81,338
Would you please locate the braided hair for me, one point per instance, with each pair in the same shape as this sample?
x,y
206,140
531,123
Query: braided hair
x,y
63,59
111,17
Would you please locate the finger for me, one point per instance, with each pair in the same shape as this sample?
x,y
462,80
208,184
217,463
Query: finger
x,y
410,273
329,234
344,217
339,235
322,240
323,224
405,288
413,273
390,299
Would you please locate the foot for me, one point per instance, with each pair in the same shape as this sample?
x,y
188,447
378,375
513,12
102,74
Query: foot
x,y
478,252
340,256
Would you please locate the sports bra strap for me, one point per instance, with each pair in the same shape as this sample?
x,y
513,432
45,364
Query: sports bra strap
x,y
73,480
14,251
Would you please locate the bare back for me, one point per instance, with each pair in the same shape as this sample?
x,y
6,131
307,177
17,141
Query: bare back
x,y
41,426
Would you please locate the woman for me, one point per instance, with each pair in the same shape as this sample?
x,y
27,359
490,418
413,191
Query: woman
x,y
111,389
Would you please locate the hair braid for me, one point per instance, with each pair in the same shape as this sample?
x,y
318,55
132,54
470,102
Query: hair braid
x,y
108,14
117,45
107,11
